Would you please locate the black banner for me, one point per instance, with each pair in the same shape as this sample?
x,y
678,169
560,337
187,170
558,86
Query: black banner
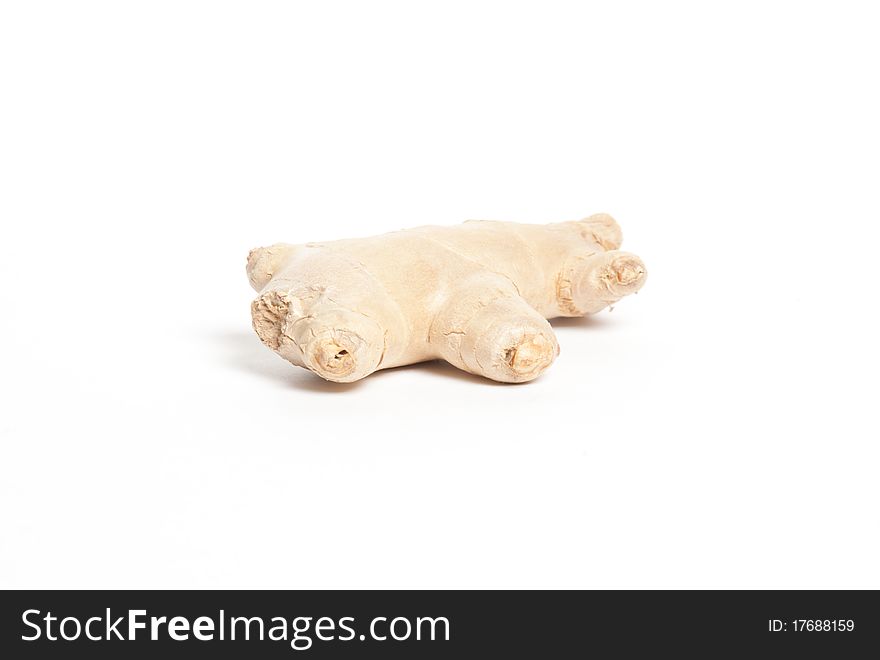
x,y
436,624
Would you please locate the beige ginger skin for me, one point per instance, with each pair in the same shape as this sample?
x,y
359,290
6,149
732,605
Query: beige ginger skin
x,y
477,295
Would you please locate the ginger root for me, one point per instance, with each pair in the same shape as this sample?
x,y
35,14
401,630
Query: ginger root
x,y
476,295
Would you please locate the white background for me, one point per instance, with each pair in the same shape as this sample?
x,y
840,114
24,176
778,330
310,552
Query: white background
x,y
717,430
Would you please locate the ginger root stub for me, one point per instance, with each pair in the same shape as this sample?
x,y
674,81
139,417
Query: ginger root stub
x,y
476,295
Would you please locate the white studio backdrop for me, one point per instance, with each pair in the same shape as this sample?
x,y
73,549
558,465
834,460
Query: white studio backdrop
x,y
717,430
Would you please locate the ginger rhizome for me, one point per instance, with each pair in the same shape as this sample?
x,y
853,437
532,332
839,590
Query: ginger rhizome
x,y
477,295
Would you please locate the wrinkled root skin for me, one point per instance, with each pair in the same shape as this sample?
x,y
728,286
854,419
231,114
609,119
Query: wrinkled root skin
x,y
477,295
